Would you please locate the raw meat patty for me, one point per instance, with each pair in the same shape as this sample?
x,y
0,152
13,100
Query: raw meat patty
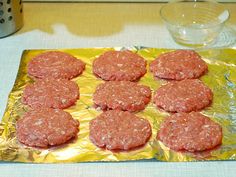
x,y
119,65
60,93
55,64
183,96
122,95
119,130
190,131
46,127
179,65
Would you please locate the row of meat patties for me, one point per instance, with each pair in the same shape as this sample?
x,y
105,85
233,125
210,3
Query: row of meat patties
x,y
119,97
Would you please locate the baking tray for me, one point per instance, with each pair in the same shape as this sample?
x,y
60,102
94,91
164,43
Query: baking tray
x,y
221,78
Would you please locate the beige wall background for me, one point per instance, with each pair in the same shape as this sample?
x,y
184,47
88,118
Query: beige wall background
x,y
111,0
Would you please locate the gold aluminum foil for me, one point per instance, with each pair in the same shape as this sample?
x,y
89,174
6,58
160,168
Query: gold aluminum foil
x,y
221,78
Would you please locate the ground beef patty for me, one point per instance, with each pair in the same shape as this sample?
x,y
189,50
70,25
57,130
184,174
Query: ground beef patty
x,y
55,64
190,131
46,127
183,96
119,130
119,65
179,65
60,93
122,95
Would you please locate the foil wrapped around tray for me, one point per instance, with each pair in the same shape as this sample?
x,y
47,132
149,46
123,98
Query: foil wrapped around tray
x,y
221,78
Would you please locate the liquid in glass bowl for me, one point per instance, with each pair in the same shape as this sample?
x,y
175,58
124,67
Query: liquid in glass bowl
x,y
194,23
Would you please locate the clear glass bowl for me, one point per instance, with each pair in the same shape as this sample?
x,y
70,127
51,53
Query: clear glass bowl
x,y
194,23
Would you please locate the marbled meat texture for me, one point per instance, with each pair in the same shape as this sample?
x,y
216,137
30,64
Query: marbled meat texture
x,y
190,131
46,127
183,96
119,66
55,64
52,93
119,130
179,65
122,95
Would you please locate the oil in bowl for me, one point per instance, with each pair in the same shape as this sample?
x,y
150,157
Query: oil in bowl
x,y
194,23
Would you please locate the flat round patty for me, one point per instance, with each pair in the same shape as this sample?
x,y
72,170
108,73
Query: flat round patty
x,y
122,95
183,96
55,64
58,93
190,131
119,130
119,65
46,127
179,65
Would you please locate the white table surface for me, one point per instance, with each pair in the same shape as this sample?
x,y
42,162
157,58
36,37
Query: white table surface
x,y
51,26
